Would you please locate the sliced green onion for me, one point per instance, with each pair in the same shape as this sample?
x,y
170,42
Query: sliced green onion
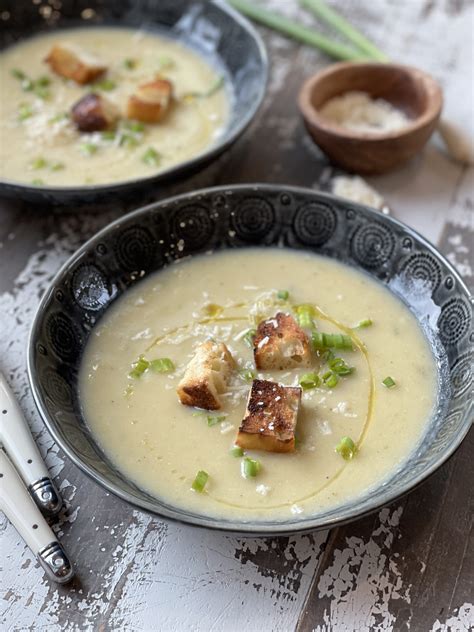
x,y
88,149
151,157
18,74
389,382
139,367
340,367
128,140
331,17
37,181
325,341
62,116
166,62
346,448
247,374
213,420
108,134
129,63
305,315
39,163
250,467
135,126
331,380
297,31
200,481
24,111
283,294
57,166
367,322
107,85
310,380
236,451
38,86
249,337
215,87
162,365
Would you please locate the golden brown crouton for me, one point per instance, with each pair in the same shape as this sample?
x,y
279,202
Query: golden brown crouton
x,y
71,62
270,419
281,344
206,376
151,101
94,113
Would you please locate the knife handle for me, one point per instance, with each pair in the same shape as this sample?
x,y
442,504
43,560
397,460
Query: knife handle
x,y
16,438
25,516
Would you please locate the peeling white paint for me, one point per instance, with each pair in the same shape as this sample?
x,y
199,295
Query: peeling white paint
x,y
462,620
363,579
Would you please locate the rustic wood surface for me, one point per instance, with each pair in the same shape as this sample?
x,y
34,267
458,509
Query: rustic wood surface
x,y
411,565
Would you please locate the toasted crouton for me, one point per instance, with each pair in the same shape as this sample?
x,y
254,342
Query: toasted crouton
x,y
206,376
71,62
151,101
94,113
270,419
281,344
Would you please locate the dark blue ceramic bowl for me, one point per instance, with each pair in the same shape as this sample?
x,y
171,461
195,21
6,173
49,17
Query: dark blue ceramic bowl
x,y
236,217
220,34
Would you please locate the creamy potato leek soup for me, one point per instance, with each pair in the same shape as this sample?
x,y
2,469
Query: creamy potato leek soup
x,y
258,384
100,105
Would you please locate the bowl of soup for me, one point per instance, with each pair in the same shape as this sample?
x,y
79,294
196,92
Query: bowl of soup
x,y
255,358
108,98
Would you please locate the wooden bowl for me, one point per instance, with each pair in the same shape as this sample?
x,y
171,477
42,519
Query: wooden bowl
x,y
414,92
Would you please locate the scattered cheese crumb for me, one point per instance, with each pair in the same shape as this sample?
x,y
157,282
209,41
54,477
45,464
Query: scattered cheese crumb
x,y
356,189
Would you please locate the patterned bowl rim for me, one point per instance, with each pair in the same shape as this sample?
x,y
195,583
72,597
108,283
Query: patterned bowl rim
x,y
248,528
187,165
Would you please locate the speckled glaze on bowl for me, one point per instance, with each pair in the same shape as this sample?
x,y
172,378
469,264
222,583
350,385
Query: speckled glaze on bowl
x,y
212,28
234,217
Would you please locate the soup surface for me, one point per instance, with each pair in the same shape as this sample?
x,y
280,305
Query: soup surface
x,y
161,444
39,142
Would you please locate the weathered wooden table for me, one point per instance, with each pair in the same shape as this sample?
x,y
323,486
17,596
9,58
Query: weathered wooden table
x,y
411,566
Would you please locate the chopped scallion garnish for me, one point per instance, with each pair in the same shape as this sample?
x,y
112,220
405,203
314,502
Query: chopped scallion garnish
x,y
310,380
162,365
39,163
130,64
213,420
339,366
166,62
127,140
38,86
151,157
389,382
109,134
215,87
247,374
249,337
24,111
331,379
367,322
18,74
139,367
200,481
346,448
250,467
283,295
37,181
88,149
57,166
135,126
236,451
105,84
305,315
325,341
